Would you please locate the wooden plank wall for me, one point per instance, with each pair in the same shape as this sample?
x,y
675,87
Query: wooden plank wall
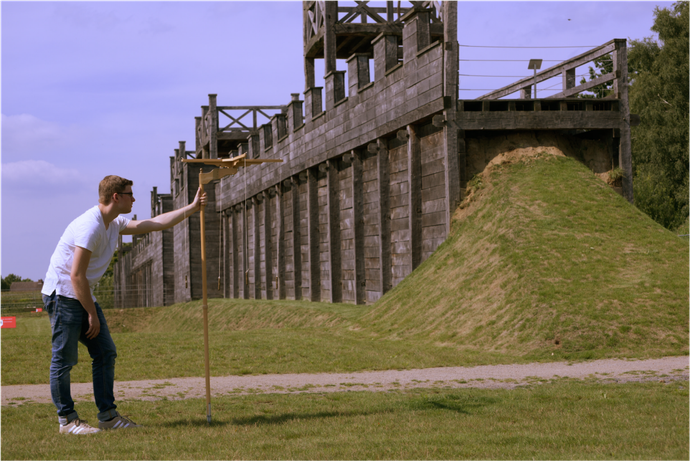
x,y
345,212
360,207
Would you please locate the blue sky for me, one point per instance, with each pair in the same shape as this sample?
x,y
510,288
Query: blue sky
x,y
97,88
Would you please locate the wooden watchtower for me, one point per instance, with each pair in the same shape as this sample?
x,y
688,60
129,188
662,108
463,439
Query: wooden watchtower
x,y
334,32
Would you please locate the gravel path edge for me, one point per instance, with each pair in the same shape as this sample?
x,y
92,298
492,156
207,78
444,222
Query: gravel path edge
x,y
665,369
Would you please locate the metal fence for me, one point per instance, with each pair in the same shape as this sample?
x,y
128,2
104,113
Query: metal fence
x,y
20,301
29,301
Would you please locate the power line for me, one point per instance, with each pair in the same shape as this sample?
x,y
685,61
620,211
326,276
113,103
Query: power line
x,y
525,47
509,76
508,60
494,89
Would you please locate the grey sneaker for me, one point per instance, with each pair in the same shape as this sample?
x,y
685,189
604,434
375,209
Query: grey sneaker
x,y
77,426
118,422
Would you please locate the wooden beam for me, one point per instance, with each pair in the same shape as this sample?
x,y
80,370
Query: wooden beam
x,y
539,120
585,86
280,224
373,13
453,168
314,47
225,251
268,250
309,78
257,249
197,138
358,224
213,141
296,239
313,232
334,241
620,89
329,38
569,79
367,29
414,178
245,252
383,179
280,107
203,132
236,272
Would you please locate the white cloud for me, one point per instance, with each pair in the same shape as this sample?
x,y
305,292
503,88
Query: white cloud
x,y
40,178
26,135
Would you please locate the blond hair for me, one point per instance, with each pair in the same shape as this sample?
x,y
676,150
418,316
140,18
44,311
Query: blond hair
x,y
111,185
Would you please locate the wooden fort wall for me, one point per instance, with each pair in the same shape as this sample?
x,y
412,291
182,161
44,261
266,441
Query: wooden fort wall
x,y
367,184
144,274
187,235
342,206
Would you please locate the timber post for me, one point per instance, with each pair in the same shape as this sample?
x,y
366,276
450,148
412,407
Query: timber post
x,y
213,129
313,235
296,238
620,90
334,238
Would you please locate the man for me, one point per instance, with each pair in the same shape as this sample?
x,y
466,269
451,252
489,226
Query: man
x,y
79,261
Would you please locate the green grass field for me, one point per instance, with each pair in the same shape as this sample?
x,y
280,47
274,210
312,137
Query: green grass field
x,y
561,420
545,263
160,352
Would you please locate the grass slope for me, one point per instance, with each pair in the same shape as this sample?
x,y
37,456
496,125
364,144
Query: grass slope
x,y
545,260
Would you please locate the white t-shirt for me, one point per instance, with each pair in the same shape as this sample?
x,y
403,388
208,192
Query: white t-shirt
x,y
87,231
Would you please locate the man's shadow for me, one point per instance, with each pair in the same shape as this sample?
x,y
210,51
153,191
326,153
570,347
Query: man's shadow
x,y
446,403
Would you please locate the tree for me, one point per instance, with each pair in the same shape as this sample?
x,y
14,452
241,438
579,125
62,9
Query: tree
x,y
659,94
602,65
7,281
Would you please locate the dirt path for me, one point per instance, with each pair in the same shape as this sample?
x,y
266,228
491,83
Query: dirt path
x,y
490,376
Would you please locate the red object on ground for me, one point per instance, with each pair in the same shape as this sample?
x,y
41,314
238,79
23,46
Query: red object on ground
x,y
39,309
8,322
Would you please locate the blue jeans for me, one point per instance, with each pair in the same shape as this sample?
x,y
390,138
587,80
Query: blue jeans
x,y
69,322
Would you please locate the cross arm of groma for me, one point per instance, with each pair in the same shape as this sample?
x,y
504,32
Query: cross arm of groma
x,y
226,166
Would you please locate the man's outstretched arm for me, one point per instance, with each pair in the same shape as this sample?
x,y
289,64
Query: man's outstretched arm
x,y
166,220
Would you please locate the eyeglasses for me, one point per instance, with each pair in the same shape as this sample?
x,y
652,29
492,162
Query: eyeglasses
x,y
131,194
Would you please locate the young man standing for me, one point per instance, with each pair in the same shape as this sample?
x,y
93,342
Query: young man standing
x,y
79,261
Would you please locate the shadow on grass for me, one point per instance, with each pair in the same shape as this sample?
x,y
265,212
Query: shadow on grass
x,y
457,403
461,404
196,422
287,417
446,404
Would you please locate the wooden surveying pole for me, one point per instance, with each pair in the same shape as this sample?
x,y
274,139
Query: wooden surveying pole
x,y
226,167
204,290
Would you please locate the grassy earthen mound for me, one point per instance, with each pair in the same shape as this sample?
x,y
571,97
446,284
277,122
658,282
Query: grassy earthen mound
x,y
545,259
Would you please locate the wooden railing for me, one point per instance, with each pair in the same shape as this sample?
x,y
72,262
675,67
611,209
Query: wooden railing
x,y
236,123
315,19
567,70
209,125
365,13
